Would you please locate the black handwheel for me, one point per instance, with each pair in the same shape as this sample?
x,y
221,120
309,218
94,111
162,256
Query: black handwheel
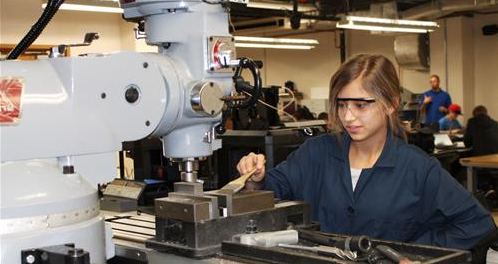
x,y
250,92
245,88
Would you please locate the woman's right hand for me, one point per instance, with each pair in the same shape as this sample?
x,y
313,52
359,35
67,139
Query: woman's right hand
x,y
251,162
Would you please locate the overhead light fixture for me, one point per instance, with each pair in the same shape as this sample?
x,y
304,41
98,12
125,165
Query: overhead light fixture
x,y
274,43
276,40
279,6
273,46
89,8
386,24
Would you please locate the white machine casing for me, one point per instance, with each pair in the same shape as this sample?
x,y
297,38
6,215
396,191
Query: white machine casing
x,y
75,113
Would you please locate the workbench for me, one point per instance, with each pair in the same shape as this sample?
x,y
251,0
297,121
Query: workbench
x,y
472,163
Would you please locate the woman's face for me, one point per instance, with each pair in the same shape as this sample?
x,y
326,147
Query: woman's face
x,y
360,114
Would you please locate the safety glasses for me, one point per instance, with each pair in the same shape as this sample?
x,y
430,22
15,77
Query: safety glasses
x,y
359,107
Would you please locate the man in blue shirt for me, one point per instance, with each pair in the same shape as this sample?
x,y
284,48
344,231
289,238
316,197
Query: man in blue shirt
x,y
434,103
450,122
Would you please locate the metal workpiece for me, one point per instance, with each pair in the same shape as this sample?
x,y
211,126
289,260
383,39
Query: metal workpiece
x,y
190,188
244,201
269,239
351,243
205,98
325,251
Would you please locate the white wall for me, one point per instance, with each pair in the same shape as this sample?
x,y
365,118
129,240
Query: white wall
x,y
486,65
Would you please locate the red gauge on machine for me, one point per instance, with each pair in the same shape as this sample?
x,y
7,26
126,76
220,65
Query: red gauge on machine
x,y
11,91
222,53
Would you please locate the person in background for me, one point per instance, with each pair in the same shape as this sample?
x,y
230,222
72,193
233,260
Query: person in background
x,y
450,122
481,133
434,103
325,117
303,112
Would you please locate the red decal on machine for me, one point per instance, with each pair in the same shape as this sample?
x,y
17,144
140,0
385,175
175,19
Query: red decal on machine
x,y
11,91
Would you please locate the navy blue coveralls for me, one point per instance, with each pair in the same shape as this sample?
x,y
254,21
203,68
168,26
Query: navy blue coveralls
x,y
406,196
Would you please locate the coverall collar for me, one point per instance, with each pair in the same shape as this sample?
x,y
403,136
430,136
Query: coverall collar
x,y
387,157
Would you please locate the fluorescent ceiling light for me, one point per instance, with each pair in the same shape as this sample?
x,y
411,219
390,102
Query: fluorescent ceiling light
x,y
272,46
381,28
392,21
276,40
279,6
386,24
89,8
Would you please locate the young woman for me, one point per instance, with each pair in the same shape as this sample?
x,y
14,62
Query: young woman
x,y
365,179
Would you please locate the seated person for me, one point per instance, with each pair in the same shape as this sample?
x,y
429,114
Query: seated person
x,y
325,117
481,133
450,122
366,179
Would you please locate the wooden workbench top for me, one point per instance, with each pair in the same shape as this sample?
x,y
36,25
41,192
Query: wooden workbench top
x,y
488,161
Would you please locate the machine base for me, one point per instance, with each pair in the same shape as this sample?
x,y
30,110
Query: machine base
x,y
203,239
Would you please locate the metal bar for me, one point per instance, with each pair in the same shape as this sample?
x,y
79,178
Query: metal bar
x,y
133,229
137,223
118,234
342,45
471,181
121,165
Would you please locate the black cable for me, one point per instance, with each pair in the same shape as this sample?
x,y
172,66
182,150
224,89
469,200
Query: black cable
x,y
36,29
213,2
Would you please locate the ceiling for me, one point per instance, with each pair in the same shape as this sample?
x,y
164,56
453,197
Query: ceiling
x,y
275,17
330,7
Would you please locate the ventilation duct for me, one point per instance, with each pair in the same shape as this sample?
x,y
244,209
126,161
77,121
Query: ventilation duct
x,y
439,8
412,51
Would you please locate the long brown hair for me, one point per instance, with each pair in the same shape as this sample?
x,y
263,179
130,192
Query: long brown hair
x,y
379,78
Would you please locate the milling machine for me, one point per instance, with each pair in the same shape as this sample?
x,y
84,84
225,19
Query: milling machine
x,y
64,118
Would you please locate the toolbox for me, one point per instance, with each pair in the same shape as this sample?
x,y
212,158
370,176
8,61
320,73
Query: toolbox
x,y
422,253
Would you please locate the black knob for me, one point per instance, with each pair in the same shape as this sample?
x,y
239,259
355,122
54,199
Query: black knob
x,y
220,129
67,169
251,227
355,243
132,94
